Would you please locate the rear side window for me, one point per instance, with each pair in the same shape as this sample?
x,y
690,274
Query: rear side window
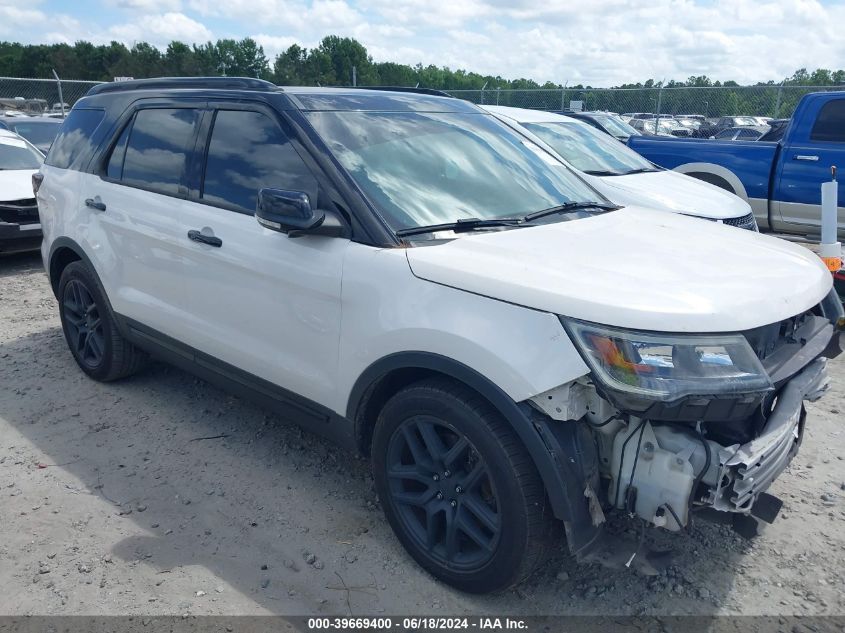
x,y
830,124
248,151
152,151
74,138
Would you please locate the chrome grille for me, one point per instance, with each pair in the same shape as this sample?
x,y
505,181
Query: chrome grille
x,y
745,222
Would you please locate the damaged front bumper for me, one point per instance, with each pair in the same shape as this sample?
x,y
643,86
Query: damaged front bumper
x,y
747,470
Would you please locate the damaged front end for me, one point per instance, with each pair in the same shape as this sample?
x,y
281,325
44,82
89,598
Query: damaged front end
x,y
668,424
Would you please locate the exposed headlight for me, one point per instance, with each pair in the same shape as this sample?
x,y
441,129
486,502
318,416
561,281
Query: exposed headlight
x,y
666,367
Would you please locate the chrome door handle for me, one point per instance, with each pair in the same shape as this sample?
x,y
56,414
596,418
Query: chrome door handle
x,y
805,157
95,203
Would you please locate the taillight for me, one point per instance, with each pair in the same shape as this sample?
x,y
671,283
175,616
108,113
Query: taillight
x,y
37,179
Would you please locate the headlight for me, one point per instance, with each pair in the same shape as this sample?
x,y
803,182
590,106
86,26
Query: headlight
x,y
666,367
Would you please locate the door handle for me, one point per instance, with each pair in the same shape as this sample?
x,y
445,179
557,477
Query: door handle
x,y
95,203
211,240
805,157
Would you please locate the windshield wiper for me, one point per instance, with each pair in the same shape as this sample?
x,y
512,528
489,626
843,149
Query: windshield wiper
x,y
642,170
571,206
462,225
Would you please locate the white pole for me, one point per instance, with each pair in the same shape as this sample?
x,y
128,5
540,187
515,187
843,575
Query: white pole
x,y
831,250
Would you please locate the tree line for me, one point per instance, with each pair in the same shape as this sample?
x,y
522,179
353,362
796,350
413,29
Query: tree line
x,y
331,63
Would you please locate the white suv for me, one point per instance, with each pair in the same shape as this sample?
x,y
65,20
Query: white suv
x,y
407,275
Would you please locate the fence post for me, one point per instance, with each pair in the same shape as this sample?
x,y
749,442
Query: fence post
x,y
61,98
659,100
777,103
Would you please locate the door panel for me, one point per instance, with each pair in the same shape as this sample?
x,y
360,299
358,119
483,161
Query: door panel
x,y
804,165
134,202
261,301
264,302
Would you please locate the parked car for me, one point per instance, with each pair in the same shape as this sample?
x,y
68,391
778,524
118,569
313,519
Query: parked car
x,y
777,128
20,229
665,126
780,180
741,133
606,122
713,127
638,115
621,174
409,276
40,131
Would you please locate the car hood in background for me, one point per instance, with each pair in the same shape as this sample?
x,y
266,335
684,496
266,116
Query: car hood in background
x,y
16,184
635,268
671,191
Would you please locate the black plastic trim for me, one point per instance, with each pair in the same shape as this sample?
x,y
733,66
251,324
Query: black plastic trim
x,y
567,500
191,83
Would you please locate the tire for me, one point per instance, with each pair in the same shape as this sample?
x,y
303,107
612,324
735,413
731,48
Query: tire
x,y
90,329
458,487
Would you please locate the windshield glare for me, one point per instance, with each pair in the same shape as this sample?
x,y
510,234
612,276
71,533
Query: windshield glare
x,y
589,150
16,154
421,169
618,127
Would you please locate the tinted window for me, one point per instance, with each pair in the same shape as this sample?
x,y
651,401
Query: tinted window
x,y
115,166
830,126
156,153
247,152
74,137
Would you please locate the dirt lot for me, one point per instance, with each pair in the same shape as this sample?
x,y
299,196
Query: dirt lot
x,y
163,495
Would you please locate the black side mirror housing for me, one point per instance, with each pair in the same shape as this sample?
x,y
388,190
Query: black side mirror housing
x,y
291,212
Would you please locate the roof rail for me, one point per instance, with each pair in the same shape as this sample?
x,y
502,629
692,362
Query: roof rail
x,y
166,83
421,91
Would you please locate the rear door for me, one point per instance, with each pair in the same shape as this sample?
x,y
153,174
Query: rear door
x,y
261,301
805,164
134,202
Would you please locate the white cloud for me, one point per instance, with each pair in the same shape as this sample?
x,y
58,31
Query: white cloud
x,y
160,30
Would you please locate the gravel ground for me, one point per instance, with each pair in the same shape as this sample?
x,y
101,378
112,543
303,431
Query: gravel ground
x,y
161,494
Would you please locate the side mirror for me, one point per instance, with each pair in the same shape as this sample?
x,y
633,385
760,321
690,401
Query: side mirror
x,y
291,212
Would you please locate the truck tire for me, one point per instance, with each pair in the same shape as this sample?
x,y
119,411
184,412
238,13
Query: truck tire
x,y
90,329
458,488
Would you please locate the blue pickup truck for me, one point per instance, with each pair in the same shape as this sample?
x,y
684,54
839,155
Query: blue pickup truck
x,y
780,180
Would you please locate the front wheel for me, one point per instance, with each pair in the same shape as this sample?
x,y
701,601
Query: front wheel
x,y
458,487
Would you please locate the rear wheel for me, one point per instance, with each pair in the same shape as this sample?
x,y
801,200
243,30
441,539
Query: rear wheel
x,y
458,487
90,329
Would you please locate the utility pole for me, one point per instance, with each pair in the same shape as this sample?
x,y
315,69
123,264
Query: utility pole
x,y
354,76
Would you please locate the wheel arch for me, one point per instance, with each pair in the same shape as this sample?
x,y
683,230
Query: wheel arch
x,y
63,251
388,375
715,175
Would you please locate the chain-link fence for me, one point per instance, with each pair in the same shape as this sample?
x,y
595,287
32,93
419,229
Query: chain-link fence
x,y
40,96
771,101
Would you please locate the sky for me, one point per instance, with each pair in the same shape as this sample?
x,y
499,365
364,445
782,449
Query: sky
x,y
595,42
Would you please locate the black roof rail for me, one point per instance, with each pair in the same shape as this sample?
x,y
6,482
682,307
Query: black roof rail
x,y
419,91
169,83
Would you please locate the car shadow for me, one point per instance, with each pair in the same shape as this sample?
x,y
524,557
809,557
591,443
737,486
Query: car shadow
x,y
187,477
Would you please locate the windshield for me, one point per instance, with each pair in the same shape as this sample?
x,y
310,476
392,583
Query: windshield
x,y
617,126
589,150
744,120
37,132
16,154
421,169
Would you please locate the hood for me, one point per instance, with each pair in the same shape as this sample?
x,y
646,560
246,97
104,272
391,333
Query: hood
x,y
671,191
16,184
635,268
